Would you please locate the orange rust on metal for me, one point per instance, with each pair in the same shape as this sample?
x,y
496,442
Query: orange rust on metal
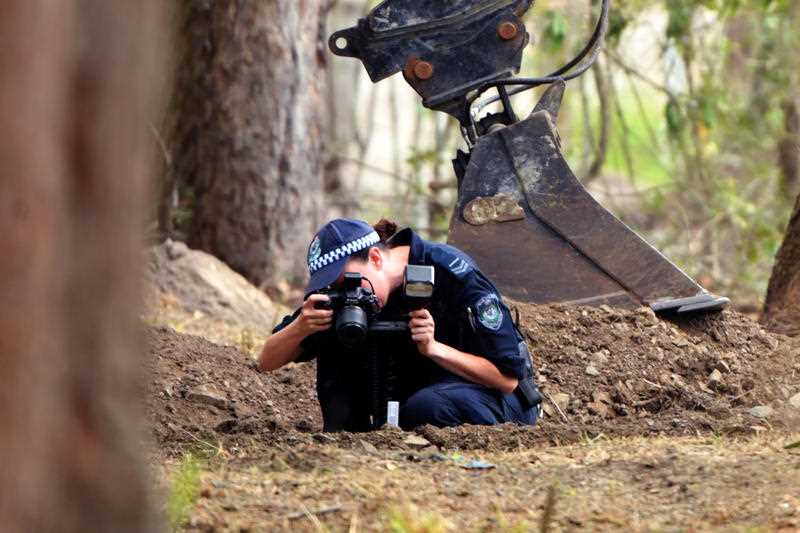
x,y
423,70
507,30
408,70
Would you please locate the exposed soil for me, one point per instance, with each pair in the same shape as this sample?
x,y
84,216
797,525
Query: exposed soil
x,y
604,371
632,373
200,392
649,425
654,484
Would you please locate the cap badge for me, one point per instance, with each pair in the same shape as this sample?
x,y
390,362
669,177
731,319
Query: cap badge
x,y
314,251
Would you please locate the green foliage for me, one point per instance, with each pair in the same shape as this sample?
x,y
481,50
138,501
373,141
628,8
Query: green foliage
x,y
409,519
184,491
708,160
618,21
420,157
721,129
675,116
681,13
555,29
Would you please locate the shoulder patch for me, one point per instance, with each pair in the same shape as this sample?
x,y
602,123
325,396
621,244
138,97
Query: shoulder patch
x,y
489,312
457,264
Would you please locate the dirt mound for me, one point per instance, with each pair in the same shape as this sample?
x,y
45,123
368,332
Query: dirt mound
x,y
199,393
603,371
194,285
603,365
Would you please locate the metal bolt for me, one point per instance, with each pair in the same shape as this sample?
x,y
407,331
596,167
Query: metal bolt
x,y
423,70
408,69
507,30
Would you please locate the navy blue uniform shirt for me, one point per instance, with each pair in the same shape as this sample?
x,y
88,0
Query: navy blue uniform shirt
x,y
466,308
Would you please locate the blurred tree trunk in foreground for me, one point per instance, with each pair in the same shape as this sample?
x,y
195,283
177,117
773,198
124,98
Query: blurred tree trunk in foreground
x,y
76,91
245,133
782,306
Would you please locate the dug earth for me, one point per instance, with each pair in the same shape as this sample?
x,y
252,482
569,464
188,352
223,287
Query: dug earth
x,y
690,422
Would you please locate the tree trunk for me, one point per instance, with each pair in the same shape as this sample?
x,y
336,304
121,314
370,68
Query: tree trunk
x,y
782,305
246,131
789,149
75,97
601,152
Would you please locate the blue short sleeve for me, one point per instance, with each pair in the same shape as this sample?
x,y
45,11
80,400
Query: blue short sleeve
x,y
496,337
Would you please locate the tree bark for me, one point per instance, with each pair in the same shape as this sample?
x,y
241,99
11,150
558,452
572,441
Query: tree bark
x,y
789,149
782,305
246,132
76,80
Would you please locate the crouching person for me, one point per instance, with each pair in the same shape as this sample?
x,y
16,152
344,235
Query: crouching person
x,y
464,361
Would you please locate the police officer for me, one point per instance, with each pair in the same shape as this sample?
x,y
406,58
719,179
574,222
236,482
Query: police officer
x,y
466,362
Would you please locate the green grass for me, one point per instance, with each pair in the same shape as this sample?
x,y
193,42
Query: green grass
x,y
409,518
184,491
650,163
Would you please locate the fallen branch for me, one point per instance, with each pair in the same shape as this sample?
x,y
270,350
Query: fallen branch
x,y
564,416
310,514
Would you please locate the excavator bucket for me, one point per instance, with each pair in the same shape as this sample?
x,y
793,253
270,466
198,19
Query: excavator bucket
x,y
521,212
535,230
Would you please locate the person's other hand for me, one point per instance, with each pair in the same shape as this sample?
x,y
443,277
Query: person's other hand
x,y
422,330
311,320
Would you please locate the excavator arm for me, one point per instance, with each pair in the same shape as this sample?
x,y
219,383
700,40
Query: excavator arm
x,y
521,212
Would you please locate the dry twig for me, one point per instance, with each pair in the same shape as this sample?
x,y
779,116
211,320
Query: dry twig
x,y
563,415
312,514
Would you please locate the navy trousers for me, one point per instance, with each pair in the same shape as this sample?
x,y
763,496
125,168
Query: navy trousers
x,y
455,403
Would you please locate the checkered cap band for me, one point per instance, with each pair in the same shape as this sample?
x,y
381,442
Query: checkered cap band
x,y
344,250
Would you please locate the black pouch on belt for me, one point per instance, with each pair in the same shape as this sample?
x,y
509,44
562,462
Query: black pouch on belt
x,y
527,392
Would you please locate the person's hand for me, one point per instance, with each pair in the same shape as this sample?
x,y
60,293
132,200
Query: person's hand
x,y
422,329
311,320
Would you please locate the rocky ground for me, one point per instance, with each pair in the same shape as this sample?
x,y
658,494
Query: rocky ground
x,y
650,424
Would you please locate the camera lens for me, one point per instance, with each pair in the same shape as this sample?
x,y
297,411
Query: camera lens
x,y
351,326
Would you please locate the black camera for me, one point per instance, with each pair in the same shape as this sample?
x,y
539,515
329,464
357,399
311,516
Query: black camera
x,y
353,306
